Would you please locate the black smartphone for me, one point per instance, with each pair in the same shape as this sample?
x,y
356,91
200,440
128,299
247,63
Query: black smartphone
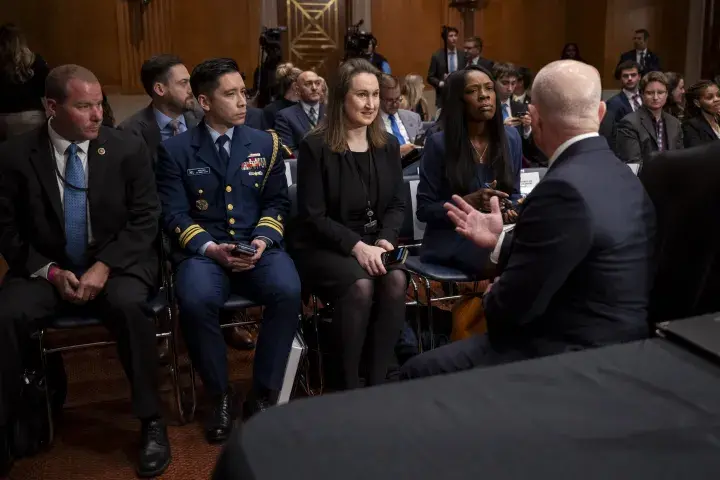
x,y
395,257
244,249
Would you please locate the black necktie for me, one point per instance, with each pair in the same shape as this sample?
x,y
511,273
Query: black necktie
x,y
224,155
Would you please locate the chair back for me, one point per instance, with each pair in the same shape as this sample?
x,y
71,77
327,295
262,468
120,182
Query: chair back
x,y
291,171
412,230
292,195
529,178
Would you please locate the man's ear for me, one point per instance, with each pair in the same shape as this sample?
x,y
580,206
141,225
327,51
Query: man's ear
x,y
50,107
204,102
602,110
159,89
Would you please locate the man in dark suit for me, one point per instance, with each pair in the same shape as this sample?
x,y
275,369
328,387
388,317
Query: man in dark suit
x,y
293,123
167,81
688,261
223,184
625,102
473,54
78,223
579,266
649,129
647,60
443,62
255,118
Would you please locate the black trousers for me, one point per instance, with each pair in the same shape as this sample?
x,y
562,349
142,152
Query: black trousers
x,y
121,306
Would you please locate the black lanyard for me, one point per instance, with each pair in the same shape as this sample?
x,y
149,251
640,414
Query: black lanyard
x,y
366,190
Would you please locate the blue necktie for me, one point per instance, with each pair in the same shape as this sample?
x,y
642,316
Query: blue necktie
x,y
453,62
75,203
396,129
505,109
224,155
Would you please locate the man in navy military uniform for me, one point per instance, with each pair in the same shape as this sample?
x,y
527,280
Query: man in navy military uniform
x,y
222,183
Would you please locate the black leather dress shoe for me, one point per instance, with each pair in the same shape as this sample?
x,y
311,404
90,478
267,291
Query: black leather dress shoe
x,y
155,449
220,424
239,338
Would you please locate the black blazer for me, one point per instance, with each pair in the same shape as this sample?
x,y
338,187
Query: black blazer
x,y
618,106
323,178
580,264
636,138
254,118
652,61
697,131
144,125
438,69
688,257
124,207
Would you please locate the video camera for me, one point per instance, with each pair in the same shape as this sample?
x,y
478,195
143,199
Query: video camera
x,y
270,37
270,57
357,42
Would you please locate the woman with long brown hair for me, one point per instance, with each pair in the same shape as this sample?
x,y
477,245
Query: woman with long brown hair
x,y
350,210
675,104
22,84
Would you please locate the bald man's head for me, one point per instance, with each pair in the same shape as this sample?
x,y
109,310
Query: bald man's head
x,y
309,87
566,101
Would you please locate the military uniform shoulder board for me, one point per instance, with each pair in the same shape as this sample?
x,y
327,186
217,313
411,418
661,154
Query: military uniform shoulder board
x,y
273,159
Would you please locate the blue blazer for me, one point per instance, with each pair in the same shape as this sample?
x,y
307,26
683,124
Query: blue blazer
x,y
441,244
618,106
205,200
292,124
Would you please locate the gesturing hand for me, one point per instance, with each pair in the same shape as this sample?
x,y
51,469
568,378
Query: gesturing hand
x,y
482,228
369,258
480,200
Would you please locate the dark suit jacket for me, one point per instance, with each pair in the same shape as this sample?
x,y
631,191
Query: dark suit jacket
x,y
486,63
144,125
255,119
618,106
697,131
124,208
580,264
636,137
323,176
688,239
292,124
652,61
438,69
270,111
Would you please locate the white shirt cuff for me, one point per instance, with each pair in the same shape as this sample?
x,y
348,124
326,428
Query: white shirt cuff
x,y
527,131
43,272
205,247
495,255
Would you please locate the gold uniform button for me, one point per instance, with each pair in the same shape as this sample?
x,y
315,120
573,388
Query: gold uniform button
x,y
256,185
228,189
230,207
280,218
232,221
232,232
177,230
200,192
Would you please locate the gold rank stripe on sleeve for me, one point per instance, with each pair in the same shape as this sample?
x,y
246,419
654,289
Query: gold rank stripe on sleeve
x,y
272,223
273,159
189,233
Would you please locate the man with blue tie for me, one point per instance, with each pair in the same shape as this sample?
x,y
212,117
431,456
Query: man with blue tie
x,y
222,184
78,226
404,125
172,110
444,62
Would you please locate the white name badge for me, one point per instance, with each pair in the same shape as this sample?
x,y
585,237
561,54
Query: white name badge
x,y
528,181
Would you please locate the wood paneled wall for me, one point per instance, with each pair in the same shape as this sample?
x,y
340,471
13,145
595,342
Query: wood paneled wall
x,y
113,37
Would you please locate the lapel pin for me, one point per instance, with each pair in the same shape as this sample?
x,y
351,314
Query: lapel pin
x,y
101,151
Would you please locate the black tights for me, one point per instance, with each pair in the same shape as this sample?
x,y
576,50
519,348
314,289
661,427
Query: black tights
x,y
376,307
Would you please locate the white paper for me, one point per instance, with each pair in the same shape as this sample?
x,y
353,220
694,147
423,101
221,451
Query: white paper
x,y
528,181
288,173
418,226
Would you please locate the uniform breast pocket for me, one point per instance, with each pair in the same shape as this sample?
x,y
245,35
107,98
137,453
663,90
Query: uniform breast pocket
x,y
252,180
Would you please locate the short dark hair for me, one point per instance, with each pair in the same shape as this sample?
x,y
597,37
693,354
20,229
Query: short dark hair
x,y
477,41
156,69
449,30
645,33
653,77
58,78
501,70
388,82
526,75
204,78
626,65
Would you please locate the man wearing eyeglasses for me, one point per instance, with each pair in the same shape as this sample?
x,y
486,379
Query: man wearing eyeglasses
x,y
404,125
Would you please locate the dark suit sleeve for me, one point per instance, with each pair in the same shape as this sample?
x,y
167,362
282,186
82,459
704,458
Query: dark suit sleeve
x,y
627,146
141,229
393,216
681,136
691,136
284,129
434,75
275,200
553,235
13,247
430,200
176,218
311,201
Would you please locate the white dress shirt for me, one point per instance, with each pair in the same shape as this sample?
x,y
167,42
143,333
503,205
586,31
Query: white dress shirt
x,y
630,94
388,127
306,108
58,148
526,130
495,255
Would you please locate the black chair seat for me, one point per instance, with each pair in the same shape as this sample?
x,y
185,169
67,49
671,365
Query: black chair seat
x,y
157,304
438,273
236,302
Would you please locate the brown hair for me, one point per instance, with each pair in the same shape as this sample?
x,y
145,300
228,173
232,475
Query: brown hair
x,y
388,82
333,127
412,90
675,109
501,70
653,77
58,78
16,59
